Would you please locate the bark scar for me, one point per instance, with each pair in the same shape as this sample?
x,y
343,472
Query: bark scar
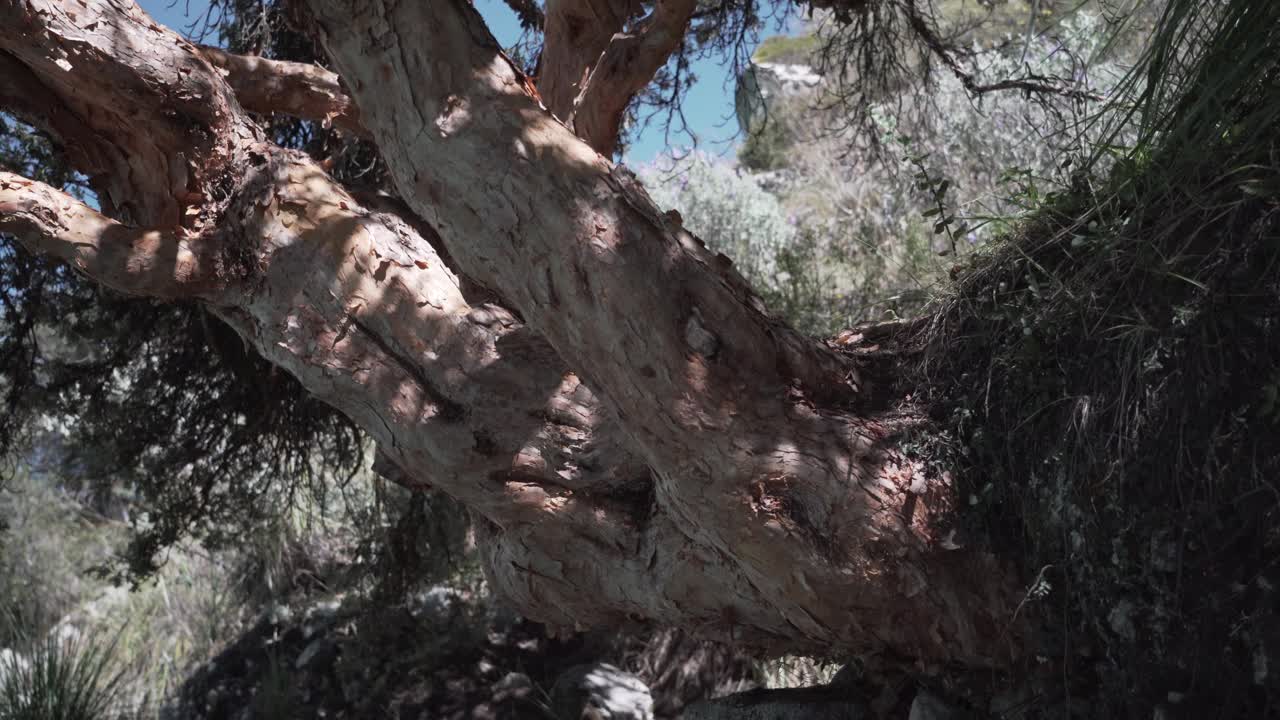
x,y
450,411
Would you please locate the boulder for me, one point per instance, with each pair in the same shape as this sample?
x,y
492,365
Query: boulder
x,y
762,84
600,691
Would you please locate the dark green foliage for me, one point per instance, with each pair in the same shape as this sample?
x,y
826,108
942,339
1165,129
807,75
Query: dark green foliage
x,y
1107,372
161,402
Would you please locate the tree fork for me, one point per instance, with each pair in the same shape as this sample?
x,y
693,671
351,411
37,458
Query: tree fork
x,y
779,502
745,423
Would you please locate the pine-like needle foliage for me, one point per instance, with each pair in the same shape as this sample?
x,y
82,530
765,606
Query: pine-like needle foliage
x,y
160,402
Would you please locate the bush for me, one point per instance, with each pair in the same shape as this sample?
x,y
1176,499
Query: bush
x,y
880,223
729,210
766,147
800,270
47,544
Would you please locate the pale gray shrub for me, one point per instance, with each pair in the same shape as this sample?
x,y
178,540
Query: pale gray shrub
x,y
728,209
999,155
839,234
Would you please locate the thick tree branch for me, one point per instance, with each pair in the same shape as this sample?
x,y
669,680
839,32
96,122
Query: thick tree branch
x,y
576,34
163,130
462,360
746,424
627,65
152,263
300,90
779,507
360,308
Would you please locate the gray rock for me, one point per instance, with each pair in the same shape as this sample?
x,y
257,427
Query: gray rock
x,y
321,653
513,686
1121,620
600,691
817,703
763,83
436,603
928,706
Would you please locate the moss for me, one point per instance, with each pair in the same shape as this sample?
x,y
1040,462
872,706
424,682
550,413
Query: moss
x,y
787,49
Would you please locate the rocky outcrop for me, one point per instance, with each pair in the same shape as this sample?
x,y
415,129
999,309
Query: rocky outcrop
x,y
600,691
761,84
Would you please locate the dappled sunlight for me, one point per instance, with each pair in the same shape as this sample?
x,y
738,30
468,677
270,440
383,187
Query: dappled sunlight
x,y
924,375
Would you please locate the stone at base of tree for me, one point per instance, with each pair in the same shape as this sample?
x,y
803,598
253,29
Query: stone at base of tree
x,y
512,686
600,692
928,706
816,703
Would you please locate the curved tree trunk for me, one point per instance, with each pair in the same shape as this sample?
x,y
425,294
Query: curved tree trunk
x,y
641,439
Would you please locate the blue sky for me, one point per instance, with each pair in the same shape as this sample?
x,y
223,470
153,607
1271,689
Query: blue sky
x,y
708,107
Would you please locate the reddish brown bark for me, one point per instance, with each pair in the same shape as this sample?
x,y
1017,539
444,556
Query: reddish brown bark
x,y
157,263
296,89
625,67
651,445
740,418
598,54
153,126
576,34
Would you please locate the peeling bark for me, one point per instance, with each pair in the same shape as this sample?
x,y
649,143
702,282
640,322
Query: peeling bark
x,y
303,91
744,422
627,65
576,34
642,441
158,132
593,64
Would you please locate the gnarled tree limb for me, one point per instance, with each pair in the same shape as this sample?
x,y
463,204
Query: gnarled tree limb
x,y
750,428
627,65
163,129
300,90
576,34
153,263
361,309
766,495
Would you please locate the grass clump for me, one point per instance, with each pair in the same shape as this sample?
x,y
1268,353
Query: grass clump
x,y
60,679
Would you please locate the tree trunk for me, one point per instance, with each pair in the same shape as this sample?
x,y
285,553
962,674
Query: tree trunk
x,y
640,438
